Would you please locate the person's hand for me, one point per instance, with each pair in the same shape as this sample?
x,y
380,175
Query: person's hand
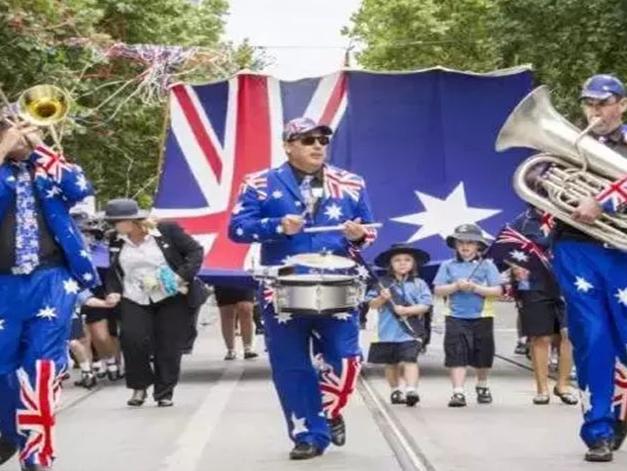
x,y
385,294
465,285
588,210
292,224
113,299
20,134
520,273
354,230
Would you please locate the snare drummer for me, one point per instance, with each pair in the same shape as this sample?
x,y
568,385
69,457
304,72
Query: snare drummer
x,y
274,207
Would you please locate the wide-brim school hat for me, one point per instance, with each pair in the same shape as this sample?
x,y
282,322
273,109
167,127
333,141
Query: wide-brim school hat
x,y
468,233
123,209
420,256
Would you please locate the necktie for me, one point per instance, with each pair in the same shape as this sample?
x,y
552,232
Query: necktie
x,y
26,228
307,193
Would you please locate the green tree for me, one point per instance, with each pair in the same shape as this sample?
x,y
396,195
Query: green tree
x,y
119,150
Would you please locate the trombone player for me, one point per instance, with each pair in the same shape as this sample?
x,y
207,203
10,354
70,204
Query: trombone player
x,y
593,278
44,269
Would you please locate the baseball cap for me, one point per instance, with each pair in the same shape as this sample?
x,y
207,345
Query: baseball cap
x,y
303,125
601,87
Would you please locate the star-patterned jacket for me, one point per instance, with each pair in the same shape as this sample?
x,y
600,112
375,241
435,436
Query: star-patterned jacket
x,y
267,196
58,185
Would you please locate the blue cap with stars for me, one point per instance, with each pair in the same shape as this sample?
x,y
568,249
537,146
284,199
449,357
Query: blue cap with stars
x,y
602,87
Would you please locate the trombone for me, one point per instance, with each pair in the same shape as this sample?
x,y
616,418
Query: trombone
x,y
43,106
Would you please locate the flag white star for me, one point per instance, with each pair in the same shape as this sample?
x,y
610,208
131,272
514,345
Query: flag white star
x,y
298,203
298,425
53,192
362,272
621,294
47,313
585,399
279,229
519,255
277,194
81,182
283,317
583,285
239,231
256,236
442,216
342,316
2,324
88,276
84,254
70,286
333,212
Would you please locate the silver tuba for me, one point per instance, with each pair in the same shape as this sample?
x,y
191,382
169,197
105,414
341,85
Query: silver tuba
x,y
571,165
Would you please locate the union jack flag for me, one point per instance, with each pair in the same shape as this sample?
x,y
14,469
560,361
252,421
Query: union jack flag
x,y
615,195
36,421
511,246
336,390
218,134
339,183
620,392
51,163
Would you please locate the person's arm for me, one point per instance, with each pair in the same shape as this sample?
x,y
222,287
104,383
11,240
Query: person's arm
x,y
493,287
191,251
377,301
422,298
443,284
413,310
357,235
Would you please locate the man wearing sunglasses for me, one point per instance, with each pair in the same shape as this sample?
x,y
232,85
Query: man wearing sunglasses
x,y
593,279
274,208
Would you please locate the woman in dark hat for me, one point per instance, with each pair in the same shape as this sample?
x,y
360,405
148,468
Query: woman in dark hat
x,y
404,296
153,275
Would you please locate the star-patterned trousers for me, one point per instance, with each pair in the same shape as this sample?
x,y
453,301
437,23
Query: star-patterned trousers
x,y
593,280
315,364
35,320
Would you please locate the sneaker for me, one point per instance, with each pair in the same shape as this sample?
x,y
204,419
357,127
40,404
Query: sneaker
x,y
230,355
87,381
304,451
521,348
138,398
338,430
249,355
7,450
113,373
457,400
620,433
397,397
412,398
600,452
484,396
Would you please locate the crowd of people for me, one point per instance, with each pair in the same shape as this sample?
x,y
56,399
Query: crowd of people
x,y
135,317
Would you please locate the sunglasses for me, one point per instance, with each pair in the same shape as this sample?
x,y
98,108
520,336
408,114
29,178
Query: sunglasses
x,y
310,140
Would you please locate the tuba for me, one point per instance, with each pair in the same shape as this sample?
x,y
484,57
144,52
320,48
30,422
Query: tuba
x,y
571,165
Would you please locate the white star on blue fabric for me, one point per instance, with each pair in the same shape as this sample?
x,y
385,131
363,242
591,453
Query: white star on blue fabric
x,y
84,254
2,324
81,182
88,276
47,313
342,316
333,212
442,216
621,294
519,255
583,285
256,236
283,317
585,396
71,286
277,194
239,231
298,425
55,190
362,272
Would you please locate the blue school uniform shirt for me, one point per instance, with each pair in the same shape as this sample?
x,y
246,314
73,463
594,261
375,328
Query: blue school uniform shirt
x,y
468,305
414,291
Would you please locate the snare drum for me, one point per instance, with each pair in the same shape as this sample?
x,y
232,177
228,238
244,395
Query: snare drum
x,y
317,294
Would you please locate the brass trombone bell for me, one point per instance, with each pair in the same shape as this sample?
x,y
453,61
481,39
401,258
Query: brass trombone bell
x,y
43,105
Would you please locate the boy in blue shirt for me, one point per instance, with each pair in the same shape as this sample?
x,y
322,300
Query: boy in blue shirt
x,y
404,295
469,283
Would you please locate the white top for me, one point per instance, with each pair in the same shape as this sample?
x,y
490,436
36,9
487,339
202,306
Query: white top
x,y
140,264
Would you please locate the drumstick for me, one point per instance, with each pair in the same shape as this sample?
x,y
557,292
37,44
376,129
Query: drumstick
x,y
339,227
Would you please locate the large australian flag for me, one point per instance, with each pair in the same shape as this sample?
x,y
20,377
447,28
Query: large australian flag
x,y
423,141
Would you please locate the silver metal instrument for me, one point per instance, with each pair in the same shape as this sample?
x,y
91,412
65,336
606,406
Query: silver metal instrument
x,y
571,166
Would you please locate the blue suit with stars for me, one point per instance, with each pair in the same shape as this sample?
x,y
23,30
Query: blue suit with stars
x,y
309,396
593,281
36,309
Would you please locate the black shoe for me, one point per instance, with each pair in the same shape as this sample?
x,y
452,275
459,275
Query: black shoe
x,y
249,355
600,452
457,400
338,430
87,381
397,398
35,467
620,433
7,450
138,398
411,398
114,374
167,402
521,348
484,396
304,451
566,397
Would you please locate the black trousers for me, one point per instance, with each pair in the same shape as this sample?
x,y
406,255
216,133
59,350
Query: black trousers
x,y
155,332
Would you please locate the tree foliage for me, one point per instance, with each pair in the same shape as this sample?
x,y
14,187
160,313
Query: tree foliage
x,y
38,45
564,40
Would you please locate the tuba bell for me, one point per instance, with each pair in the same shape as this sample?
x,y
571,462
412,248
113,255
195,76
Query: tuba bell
x,y
571,165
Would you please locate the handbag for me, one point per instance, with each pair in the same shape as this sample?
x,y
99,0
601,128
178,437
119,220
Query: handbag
x,y
198,293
